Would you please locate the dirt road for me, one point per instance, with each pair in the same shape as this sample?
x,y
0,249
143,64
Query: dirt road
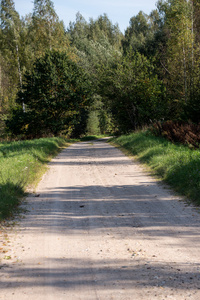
x,y
100,228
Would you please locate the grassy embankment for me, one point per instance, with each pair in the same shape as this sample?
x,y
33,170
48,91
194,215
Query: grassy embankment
x,y
177,165
22,164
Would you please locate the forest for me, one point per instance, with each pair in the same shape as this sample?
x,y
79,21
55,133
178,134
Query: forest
x,y
92,78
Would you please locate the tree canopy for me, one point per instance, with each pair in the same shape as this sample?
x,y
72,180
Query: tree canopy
x,y
92,77
55,93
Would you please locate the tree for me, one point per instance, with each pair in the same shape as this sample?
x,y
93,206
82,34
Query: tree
x,y
46,31
81,32
5,92
102,28
178,59
132,92
196,19
98,56
192,108
78,32
10,43
97,45
140,35
56,93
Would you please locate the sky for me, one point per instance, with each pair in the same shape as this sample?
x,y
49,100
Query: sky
x,y
118,11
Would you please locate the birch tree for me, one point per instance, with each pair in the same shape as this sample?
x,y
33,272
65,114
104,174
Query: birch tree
x,y
178,59
47,32
11,51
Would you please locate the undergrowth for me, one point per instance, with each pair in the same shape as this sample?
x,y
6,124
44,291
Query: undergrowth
x,y
178,132
176,164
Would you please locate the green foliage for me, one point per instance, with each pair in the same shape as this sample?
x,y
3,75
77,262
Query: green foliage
x,y
55,93
133,92
99,121
106,125
93,123
21,165
17,123
143,34
10,195
180,58
21,42
97,45
11,52
96,30
46,31
136,34
178,165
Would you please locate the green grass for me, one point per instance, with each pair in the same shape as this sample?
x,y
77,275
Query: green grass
x,y
22,164
177,165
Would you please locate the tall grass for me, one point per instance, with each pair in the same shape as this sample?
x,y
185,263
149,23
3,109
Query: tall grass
x,y
21,164
177,165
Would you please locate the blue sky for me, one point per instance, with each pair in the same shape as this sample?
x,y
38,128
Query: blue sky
x,y
118,11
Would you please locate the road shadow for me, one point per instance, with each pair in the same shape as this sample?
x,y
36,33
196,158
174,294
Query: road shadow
x,y
128,212
76,208
101,274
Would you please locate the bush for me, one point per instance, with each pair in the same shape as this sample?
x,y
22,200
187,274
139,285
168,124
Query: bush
x,y
179,132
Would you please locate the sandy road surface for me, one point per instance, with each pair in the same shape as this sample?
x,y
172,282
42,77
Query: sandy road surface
x,y
102,229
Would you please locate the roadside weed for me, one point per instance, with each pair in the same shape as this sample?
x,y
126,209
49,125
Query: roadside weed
x,y
21,164
176,164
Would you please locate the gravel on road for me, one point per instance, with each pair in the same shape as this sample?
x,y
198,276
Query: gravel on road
x,y
100,227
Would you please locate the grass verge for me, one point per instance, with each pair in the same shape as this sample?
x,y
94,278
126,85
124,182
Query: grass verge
x,y
22,164
177,165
